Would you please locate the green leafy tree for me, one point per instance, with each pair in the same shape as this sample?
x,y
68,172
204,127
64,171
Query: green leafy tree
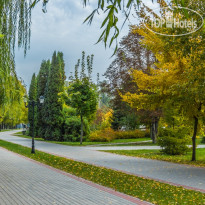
x,y
72,125
15,29
15,19
83,95
110,23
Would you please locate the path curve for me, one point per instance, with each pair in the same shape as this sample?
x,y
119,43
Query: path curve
x,y
182,175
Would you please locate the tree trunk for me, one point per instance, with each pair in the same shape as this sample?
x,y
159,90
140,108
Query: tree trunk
x,y
81,135
151,130
154,130
153,133
196,120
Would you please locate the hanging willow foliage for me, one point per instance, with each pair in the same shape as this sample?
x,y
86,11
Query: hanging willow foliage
x,y
15,24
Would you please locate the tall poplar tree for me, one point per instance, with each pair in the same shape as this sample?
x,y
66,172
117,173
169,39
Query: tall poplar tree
x,y
32,97
41,87
53,105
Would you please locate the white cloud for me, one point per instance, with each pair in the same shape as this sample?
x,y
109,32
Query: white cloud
x,y
62,28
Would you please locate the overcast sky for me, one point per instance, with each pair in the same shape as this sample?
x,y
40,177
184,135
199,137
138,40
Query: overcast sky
x,y
62,29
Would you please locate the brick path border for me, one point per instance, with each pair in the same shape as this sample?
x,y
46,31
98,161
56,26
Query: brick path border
x,y
100,187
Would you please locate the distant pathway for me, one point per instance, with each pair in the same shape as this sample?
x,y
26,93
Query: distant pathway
x,y
184,175
128,147
119,143
26,182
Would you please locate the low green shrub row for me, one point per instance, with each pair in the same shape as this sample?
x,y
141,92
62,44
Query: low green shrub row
x,y
132,134
107,135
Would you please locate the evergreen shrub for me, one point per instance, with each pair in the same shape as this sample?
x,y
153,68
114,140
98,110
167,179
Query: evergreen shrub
x,y
174,141
72,129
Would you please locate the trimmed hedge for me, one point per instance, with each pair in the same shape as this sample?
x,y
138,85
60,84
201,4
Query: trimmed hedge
x,y
132,134
107,135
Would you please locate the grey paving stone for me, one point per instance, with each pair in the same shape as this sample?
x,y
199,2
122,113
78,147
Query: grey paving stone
x,y
23,182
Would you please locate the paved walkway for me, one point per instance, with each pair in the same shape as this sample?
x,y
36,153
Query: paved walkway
x,y
129,147
120,143
184,175
24,181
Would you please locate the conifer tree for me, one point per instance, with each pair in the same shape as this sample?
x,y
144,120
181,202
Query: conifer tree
x,y
53,105
32,97
41,86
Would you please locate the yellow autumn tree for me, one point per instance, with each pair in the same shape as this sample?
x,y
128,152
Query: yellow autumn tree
x,y
178,76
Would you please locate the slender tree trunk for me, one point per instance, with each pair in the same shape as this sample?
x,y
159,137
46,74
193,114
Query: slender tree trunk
x,y
155,130
153,133
196,120
151,130
81,135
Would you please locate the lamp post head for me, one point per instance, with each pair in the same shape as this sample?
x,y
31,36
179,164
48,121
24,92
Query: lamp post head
x,y
41,99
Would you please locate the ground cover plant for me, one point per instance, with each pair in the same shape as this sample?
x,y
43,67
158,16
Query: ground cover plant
x,y
158,155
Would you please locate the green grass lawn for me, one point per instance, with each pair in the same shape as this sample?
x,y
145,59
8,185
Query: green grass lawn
x,y
139,142
198,141
4,130
7,130
145,189
19,134
156,154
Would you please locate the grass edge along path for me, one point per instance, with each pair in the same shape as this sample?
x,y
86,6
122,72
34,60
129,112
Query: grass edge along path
x,y
144,189
157,155
124,142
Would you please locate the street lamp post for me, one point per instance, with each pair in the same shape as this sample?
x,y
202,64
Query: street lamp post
x,y
33,104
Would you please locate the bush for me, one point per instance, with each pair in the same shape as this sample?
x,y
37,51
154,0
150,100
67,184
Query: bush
x,y
72,129
174,141
203,140
132,134
27,132
108,134
105,135
147,134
